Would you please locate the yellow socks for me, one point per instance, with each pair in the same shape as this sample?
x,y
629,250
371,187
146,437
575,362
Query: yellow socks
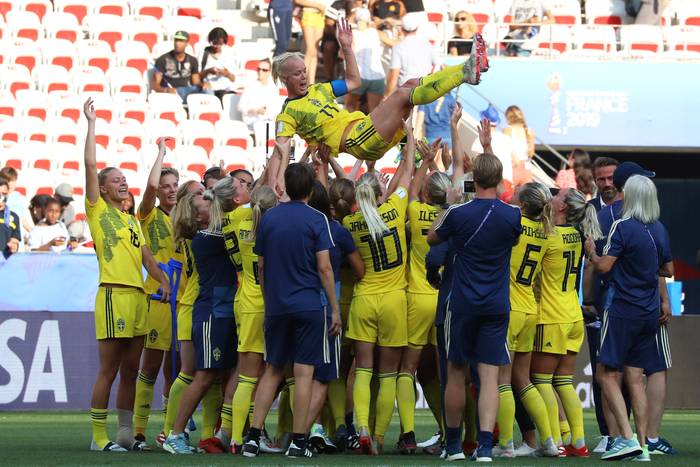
x,y
226,417
543,383
506,414
385,402
361,396
242,399
142,402
405,400
534,405
437,85
176,389
564,384
336,400
211,408
98,418
431,392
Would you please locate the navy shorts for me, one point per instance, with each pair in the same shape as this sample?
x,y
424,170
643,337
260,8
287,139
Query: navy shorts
x,y
328,372
215,343
628,342
299,337
472,338
663,360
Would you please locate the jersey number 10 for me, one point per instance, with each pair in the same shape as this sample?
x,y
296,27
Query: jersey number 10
x,y
380,258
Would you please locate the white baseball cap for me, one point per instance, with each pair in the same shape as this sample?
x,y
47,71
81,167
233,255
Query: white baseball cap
x,y
410,23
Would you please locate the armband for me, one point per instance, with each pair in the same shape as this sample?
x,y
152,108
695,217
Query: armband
x,y
340,87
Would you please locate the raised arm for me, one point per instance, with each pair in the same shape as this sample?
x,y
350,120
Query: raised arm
x,y
320,162
277,164
92,186
148,202
458,154
404,173
343,32
428,152
337,169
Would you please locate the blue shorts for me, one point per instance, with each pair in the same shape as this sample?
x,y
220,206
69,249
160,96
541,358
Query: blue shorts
x,y
663,360
215,343
328,372
472,338
628,342
299,337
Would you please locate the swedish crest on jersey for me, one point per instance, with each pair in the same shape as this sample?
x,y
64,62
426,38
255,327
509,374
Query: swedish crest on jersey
x,y
216,353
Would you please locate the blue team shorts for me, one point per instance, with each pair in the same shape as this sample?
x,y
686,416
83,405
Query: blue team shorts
x,y
663,360
298,337
474,338
327,372
215,343
628,342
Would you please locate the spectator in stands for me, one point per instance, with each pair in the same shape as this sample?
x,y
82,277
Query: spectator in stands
x,y
177,72
646,11
77,239
129,205
329,44
523,140
578,160
64,194
9,223
413,57
213,175
585,183
368,51
279,14
50,234
603,170
386,14
434,119
34,214
465,28
260,101
16,201
218,63
501,144
312,23
526,16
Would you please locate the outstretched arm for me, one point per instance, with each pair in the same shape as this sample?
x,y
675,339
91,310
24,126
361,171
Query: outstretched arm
x,y
278,164
92,186
428,151
458,154
343,32
148,202
404,172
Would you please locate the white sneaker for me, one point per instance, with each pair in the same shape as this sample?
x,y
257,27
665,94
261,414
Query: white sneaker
x,y
525,451
549,449
109,447
267,447
602,445
430,442
455,457
504,451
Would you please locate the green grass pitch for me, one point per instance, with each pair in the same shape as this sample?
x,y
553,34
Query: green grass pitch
x,y
63,438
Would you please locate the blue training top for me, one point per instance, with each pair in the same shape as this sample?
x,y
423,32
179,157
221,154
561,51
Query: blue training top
x,y
217,277
438,256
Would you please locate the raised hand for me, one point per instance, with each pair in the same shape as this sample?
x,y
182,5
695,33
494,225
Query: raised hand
x,y
456,115
484,129
324,153
343,32
89,110
428,151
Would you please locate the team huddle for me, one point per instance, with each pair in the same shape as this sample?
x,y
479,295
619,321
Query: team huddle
x,y
333,295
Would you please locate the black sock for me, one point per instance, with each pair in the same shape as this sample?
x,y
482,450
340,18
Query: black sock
x,y
299,440
254,434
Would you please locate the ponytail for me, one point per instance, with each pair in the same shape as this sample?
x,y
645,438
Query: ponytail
x,y
342,196
438,186
221,196
367,192
261,199
582,215
534,201
184,218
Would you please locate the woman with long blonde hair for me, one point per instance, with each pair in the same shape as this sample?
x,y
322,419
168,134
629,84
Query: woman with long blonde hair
x,y
523,144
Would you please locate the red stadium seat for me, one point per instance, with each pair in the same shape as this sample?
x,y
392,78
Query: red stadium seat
x,y
198,133
95,52
78,8
129,132
15,77
204,107
38,7
61,25
8,105
144,29
605,12
108,28
155,8
67,104
59,52
5,6
112,7
33,103
23,51
233,133
25,24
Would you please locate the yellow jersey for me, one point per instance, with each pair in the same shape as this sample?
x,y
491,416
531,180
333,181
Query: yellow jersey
x,y
315,117
118,240
191,290
384,260
420,218
183,251
561,265
525,266
158,231
229,229
249,296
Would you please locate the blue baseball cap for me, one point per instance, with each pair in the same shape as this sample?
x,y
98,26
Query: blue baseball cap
x,y
625,170
491,114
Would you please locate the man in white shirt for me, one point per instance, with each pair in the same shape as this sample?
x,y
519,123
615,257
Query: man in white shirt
x,y
501,144
526,15
49,234
413,57
260,102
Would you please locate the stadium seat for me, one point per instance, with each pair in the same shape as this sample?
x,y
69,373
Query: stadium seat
x,y
111,7
555,36
108,28
9,130
38,7
104,106
77,8
192,158
146,29
25,24
166,106
15,77
482,10
64,130
95,52
233,133
33,103
192,25
131,106
5,6
10,152
155,8
133,54
187,175
128,131
58,52
683,38
230,102
204,107
22,51
32,129
39,155
51,78
67,104
4,33
199,133
595,37
566,11
89,79
8,105
126,79
36,181
611,12
61,25
158,128
125,156
233,157
688,13
68,157
639,37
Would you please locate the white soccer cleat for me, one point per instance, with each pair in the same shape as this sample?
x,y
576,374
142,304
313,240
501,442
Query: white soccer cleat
x,y
109,447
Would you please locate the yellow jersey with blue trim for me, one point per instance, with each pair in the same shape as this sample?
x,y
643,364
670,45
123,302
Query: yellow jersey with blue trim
x,y
183,251
420,218
249,296
158,232
316,117
385,259
561,266
526,265
229,229
190,290
118,240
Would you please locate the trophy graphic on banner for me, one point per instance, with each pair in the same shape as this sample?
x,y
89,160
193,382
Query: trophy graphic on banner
x,y
554,84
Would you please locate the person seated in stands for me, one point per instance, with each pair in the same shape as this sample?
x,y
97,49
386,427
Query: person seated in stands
x,y
64,195
177,72
218,64
50,234
526,17
465,28
34,214
9,224
386,14
260,102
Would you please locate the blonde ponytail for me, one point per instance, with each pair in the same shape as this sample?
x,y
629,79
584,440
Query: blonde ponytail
x,y
184,218
261,199
221,196
438,186
366,193
534,201
582,215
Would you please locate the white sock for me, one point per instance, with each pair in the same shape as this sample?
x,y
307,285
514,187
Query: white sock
x,y
653,440
125,432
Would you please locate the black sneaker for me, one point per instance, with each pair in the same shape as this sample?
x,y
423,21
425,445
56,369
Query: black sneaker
x,y
294,451
407,443
251,449
341,438
353,442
